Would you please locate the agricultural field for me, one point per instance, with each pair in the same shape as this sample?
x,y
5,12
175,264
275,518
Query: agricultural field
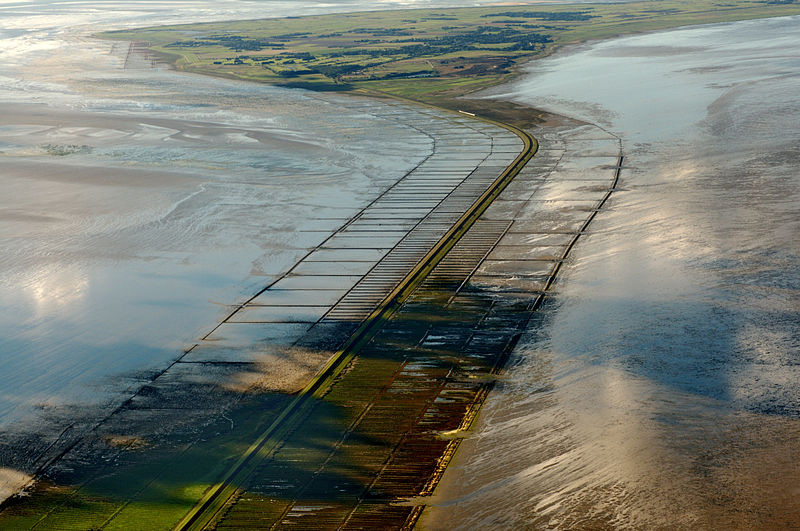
x,y
427,55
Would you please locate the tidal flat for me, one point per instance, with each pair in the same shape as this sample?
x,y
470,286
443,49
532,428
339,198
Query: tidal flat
x,y
658,387
112,283
141,205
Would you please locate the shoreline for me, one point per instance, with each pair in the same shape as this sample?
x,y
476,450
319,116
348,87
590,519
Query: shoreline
x,y
562,50
442,466
445,85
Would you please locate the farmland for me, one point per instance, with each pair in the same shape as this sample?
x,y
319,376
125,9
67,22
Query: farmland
x,y
431,55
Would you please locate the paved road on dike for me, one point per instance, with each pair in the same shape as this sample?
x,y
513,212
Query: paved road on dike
x,y
382,430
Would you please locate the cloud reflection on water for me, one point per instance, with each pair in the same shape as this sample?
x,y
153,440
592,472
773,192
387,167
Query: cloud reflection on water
x,y
660,387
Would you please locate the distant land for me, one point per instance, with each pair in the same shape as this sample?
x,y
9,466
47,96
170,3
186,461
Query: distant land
x,y
429,55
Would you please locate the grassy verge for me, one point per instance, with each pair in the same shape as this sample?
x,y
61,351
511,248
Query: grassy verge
x,y
430,55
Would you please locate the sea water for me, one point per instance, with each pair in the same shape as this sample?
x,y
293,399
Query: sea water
x,y
139,204
659,387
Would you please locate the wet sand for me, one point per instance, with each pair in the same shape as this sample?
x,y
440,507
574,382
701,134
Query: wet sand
x,y
135,215
658,388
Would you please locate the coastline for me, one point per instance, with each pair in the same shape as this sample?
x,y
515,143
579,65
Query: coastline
x,y
517,73
539,298
445,85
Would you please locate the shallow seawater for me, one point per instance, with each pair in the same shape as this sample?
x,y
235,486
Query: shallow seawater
x,y
126,236
139,204
659,388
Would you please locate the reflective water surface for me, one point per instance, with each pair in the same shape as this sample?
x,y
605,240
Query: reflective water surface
x,y
660,386
138,204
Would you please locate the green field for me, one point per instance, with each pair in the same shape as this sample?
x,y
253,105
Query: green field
x,y
431,55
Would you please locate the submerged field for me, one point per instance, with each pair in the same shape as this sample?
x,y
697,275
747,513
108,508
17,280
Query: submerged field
x,y
432,55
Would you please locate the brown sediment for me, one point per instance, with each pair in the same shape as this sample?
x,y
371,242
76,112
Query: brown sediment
x,y
508,112
12,481
502,111
284,370
127,442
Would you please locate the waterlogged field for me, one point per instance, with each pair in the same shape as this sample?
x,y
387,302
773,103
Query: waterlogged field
x,y
425,54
